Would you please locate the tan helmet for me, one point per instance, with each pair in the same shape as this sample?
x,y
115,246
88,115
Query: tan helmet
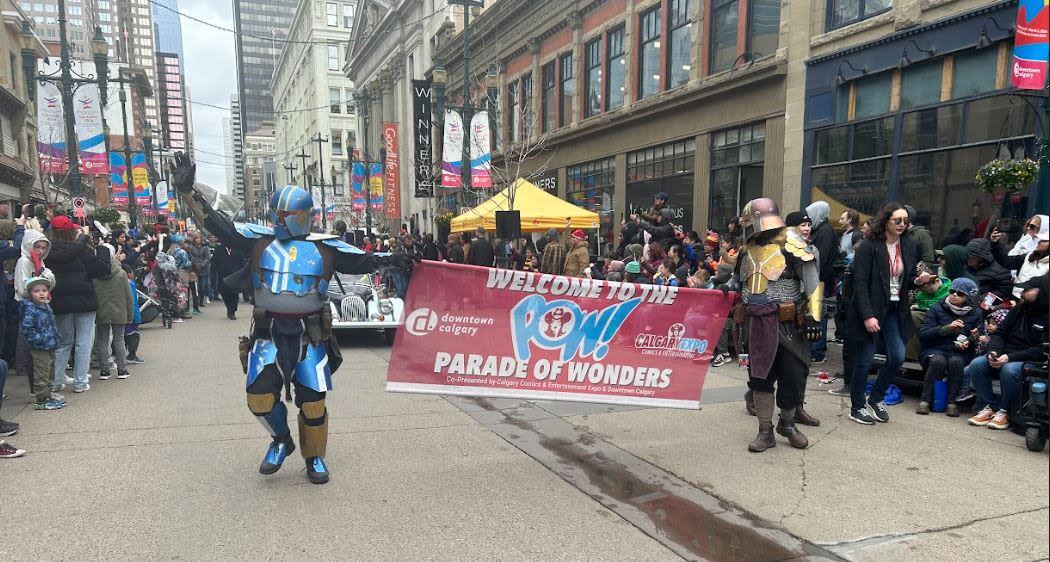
x,y
760,215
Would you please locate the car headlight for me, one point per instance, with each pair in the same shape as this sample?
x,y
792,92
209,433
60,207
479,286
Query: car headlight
x,y
385,306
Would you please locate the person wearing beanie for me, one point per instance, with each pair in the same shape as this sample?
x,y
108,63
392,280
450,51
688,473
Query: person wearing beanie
x,y
578,258
41,334
633,274
946,346
800,221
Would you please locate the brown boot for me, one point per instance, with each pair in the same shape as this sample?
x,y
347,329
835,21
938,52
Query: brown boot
x,y
794,436
764,440
749,402
803,417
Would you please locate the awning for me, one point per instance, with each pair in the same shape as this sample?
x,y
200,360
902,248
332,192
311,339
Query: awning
x,y
539,211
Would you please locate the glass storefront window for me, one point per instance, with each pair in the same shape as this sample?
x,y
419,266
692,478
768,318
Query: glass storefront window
x,y
872,138
931,128
736,171
996,118
668,168
921,84
974,72
863,186
872,95
591,185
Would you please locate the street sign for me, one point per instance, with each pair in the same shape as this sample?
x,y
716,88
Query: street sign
x,y
78,207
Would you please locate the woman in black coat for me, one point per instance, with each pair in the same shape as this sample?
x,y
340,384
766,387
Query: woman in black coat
x,y
226,261
883,274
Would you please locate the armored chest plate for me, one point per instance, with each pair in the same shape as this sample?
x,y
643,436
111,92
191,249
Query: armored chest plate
x,y
294,266
762,264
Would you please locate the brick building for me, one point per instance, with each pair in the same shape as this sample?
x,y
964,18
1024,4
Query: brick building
x,y
629,98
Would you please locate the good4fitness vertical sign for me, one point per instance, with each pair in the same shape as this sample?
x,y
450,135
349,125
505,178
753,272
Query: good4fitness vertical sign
x,y
554,338
392,194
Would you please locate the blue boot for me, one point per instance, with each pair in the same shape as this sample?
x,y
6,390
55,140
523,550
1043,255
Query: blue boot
x,y
275,455
316,470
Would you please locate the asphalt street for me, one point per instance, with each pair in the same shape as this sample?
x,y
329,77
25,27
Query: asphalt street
x,y
164,465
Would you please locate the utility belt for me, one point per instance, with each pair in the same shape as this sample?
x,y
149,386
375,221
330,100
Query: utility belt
x,y
791,312
317,325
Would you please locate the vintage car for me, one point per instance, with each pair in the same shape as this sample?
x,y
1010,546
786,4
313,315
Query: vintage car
x,y
363,302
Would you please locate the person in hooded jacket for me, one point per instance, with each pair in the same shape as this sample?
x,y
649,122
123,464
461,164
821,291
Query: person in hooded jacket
x,y
1037,228
943,350
923,240
1028,266
953,262
822,237
990,276
73,297
116,310
1018,340
35,247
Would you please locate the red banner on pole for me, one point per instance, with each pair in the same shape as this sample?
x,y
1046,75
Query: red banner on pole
x,y
550,337
393,171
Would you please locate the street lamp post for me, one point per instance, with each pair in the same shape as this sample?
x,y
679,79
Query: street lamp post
x,y
68,85
439,77
364,102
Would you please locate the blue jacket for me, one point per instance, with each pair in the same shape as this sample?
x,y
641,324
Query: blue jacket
x,y
934,338
38,326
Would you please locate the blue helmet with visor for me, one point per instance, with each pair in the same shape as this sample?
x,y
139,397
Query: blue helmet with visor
x,y
291,212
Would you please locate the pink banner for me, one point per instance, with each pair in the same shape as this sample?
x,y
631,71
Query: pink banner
x,y
1031,45
554,338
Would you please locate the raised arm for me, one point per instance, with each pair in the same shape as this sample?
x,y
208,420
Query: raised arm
x,y
183,176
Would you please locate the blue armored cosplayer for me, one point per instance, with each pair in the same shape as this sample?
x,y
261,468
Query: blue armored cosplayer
x,y
291,344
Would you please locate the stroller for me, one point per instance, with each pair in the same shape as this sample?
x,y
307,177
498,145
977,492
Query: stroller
x,y
162,284
1035,414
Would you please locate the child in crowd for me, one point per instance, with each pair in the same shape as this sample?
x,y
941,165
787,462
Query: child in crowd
x,y
41,334
131,330
946,346
35,248
530,263
980,336
665,273
700,280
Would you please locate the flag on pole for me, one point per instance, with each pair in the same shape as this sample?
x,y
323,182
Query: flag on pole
x,y
480,154
452,152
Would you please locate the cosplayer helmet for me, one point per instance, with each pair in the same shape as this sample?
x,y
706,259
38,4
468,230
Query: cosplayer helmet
x,y
291,212
760,215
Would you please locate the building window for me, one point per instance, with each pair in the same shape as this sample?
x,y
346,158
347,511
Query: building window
x,y
763,35
333,57
337,142
845,12
974,72
615,68
568,90
335,103
548,105
331,10
736,171
513,109
872,95
593,78
681,41
527,118
591,186
348,16
921,84
722,47
668,168
350,105
649,59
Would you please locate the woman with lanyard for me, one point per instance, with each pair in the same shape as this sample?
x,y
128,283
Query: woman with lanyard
x,y
883,273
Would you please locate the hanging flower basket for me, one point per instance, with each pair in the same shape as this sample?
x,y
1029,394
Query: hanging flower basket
x,y
1006,176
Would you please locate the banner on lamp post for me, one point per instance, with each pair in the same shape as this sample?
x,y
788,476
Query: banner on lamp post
x,y
480,154
140,179
452,151
357,187
51,143
375,187
1031,45
90,137
549,337
421,127
118,178
392,193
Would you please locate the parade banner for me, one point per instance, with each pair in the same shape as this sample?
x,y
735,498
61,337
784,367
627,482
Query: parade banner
x,y
480,154
375,187
91,139
118,178
475,331
357,187
452,151
392,193
1031,45
51,135
162,195
140,179
421,108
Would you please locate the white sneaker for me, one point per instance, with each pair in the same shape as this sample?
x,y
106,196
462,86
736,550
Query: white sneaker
x,y
719,360
69,380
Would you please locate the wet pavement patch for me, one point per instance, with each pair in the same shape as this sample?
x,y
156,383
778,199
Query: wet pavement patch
x,y
687,520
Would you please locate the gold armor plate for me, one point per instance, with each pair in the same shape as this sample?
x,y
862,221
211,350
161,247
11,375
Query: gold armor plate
x,y
762,265
798,246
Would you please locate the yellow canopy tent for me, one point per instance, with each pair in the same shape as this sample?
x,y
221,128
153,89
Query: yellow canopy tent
x,y
837,207
539,211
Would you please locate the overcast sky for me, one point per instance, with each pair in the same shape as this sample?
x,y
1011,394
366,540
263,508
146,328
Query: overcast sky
x,y
211,77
